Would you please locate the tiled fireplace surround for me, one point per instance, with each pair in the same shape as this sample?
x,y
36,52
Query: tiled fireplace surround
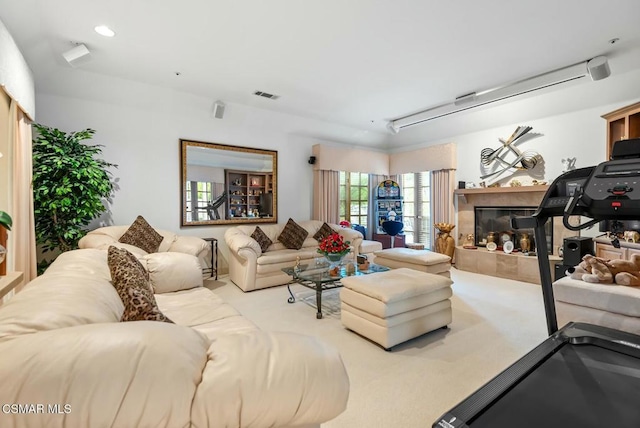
x,y
512,266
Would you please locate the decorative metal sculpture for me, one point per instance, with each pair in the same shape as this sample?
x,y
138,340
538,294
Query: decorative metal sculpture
x,y
499,157
569,164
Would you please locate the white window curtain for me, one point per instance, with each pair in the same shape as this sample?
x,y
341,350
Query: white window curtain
x,y
326,196
22,245
442,209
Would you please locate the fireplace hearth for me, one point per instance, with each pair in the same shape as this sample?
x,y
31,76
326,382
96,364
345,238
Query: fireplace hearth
x,y
493,223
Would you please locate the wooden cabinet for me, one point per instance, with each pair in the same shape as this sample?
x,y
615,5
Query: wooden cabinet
x,y
246,191
385,239
608,251
622,124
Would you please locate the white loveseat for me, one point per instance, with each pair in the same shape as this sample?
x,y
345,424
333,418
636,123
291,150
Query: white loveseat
x,y
69,362
251,269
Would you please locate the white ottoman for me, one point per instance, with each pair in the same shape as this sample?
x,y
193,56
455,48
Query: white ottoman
x,y
609,305
369,247
394,306
421,260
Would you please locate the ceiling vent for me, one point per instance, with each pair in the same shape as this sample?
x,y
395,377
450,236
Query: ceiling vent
x,y
266,95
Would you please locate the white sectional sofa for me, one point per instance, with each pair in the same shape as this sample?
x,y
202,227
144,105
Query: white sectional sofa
x,y
68,359
251,269
103,237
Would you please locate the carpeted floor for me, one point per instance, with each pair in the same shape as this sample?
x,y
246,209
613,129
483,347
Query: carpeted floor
x,y
495,322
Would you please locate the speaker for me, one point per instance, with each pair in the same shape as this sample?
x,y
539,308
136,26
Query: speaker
x,y
218,109
560,271
77,55
598,68
575,248
461,184
312,160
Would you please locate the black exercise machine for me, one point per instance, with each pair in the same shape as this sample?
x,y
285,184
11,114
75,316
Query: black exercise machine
x,y
582,375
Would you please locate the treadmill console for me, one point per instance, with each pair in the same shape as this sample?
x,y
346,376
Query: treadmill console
x,y
613,190
557,199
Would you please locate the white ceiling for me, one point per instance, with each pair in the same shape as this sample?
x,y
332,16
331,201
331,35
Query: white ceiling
x,y
353,63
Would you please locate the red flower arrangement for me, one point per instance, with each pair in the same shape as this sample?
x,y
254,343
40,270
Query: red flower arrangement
x,y
334,244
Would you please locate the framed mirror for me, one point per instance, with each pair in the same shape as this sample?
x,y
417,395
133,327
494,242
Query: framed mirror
x,y
223,184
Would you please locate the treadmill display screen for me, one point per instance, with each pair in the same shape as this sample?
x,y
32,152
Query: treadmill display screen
x,y
579,386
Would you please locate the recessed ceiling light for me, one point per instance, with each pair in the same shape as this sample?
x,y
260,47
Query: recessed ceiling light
x,y
103,30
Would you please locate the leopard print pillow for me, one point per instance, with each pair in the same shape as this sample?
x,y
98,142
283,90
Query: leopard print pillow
x,y
131,281
140,234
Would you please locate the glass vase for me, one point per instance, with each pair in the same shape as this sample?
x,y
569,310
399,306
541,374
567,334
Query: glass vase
x,y
334,259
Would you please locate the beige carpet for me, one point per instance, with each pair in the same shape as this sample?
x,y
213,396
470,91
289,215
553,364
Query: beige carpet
x,y
495,322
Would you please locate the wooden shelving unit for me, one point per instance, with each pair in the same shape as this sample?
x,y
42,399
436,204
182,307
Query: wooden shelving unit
x,y
244,189
622,124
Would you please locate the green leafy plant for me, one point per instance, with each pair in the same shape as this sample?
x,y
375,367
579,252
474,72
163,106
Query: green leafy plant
x,y
69,186
5,220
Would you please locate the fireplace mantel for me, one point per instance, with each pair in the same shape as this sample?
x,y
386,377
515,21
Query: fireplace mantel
x,y
464,193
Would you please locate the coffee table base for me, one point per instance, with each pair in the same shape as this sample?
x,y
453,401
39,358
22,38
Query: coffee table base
x,y
318,287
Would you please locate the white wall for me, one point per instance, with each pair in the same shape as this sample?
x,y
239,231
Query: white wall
x,y
568,122
140,126
141,133
15,75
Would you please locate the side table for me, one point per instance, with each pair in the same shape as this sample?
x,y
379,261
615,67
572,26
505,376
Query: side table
x,y
8,282
214,258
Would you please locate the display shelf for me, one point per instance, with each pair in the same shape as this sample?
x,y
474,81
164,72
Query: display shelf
x,y
388,198
622,124
510,189
244,190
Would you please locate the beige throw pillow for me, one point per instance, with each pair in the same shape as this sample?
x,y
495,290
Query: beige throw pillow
x,y
131,281
142,235
263,240
293,235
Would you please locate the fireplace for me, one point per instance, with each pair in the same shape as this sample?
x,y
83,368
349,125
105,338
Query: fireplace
x,y
496,222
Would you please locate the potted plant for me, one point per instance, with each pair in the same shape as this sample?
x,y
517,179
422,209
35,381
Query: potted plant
x,y
5,220
6,223
70,184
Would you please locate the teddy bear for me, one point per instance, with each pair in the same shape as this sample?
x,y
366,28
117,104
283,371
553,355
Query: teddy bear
x,y
597,270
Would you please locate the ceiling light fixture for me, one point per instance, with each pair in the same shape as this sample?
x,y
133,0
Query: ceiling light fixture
x,y
103,30
597,68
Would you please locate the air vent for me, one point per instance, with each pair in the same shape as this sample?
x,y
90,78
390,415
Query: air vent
x,y
266,95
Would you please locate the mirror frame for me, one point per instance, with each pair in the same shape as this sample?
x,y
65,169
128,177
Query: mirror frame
x,y
184,144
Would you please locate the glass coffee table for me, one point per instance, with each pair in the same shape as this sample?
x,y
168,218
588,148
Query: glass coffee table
x,y
316,277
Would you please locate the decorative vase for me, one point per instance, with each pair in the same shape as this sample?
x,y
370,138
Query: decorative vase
x,y
334,259
525,243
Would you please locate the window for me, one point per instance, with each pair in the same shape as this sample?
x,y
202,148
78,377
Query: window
x,y
199,195
354,197
416,212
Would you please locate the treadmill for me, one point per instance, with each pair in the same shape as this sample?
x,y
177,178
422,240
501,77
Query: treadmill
x,y
583,375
